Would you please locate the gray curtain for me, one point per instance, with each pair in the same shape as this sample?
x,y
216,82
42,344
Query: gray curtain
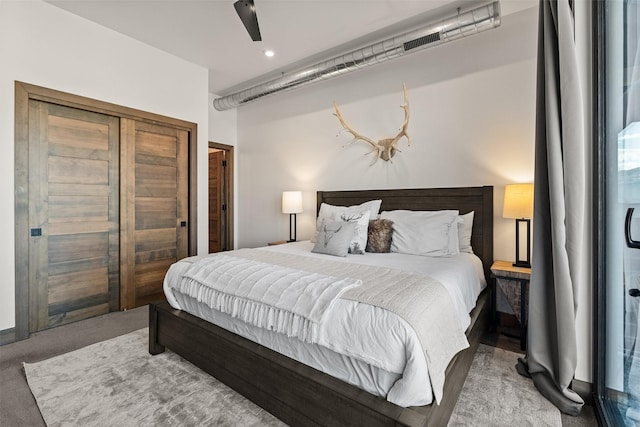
x,y
559,256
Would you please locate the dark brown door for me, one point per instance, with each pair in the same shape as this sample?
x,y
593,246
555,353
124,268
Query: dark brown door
x,y
154,207
216,200
73,214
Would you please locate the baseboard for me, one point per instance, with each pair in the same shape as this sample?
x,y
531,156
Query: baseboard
x,y
584,390
7,336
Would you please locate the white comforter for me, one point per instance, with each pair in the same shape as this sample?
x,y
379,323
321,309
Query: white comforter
x,y
361,344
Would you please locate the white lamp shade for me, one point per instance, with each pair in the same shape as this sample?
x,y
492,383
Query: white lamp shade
x,y
518,201
291,202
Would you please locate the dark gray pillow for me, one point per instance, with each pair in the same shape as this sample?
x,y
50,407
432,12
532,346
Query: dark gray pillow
x,y
379,235
334,238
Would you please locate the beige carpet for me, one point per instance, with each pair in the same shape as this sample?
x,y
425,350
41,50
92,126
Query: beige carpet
x,y
117,383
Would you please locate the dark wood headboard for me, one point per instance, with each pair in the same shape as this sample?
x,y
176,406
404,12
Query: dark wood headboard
x,y
464,199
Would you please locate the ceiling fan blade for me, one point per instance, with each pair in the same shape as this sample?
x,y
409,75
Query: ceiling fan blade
x,y
247,12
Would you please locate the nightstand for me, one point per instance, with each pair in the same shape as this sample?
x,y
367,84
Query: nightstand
x,y
511,276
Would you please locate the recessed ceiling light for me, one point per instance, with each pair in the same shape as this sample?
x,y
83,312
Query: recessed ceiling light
x,y
269,53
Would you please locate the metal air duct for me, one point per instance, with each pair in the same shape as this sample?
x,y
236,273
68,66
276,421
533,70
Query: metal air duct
x,y
458,26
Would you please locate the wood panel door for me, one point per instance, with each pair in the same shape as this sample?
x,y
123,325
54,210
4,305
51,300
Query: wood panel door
x,y
154,207
216,200
73,214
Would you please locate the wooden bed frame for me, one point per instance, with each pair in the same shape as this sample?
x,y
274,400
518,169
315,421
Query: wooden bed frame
x,y
303,396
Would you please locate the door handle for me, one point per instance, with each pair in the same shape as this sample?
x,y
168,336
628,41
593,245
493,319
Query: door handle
x,y
627,231
634,292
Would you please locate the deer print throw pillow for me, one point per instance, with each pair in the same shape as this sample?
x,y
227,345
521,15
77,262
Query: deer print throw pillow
x,y
379,235
360,234
334,238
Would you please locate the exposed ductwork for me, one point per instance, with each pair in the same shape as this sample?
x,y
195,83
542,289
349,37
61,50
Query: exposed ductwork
x,y
458,26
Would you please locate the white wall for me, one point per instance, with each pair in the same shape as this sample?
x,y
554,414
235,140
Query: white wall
x,y
223,125
43,45
472,123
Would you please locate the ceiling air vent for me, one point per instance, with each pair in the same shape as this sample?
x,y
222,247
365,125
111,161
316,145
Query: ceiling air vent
x,y
421,41
462,24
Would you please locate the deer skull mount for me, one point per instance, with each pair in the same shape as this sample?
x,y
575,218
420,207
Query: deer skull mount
x,y
386,148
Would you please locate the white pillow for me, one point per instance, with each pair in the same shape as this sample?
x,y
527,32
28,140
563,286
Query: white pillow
x,y
422,232
327,210
332,213
464,232
454,238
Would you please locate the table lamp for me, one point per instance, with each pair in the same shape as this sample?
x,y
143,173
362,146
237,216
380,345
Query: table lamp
x,y
518,204
292,205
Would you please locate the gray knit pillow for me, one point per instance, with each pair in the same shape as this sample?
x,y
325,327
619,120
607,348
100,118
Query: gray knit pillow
x,y
379,237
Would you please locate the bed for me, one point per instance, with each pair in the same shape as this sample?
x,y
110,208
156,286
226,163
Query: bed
x,y
301,395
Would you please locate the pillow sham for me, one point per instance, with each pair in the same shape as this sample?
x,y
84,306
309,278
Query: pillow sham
x,y
421,232
464,232
454,239
334,238
379,235
334,213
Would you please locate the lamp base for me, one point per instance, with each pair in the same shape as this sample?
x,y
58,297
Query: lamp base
x,y
292,228
523,264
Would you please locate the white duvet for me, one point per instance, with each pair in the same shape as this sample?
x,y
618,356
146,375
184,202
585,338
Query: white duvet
x,y
363,345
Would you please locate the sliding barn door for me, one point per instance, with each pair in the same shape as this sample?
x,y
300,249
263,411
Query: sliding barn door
x,y
73,214
154,207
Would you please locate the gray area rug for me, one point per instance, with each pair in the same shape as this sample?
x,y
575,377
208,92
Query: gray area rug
x,y
494,394
117,383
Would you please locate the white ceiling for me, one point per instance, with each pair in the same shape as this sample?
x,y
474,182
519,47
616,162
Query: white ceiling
x,y
210,34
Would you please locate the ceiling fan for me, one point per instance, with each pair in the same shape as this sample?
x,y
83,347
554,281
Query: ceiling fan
x,y
247,12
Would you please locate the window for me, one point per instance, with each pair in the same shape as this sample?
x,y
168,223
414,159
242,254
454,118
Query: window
x,y
617,130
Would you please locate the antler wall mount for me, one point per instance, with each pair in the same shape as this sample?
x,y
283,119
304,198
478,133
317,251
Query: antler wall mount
x,y
385,148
